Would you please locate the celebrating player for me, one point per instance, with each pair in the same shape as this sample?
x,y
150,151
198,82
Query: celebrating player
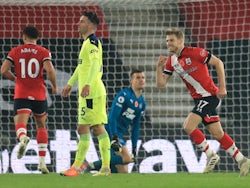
x,y
191,64
126,111
91,96
29,61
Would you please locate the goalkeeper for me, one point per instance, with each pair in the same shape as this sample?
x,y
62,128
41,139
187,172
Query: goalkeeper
x,y
126,110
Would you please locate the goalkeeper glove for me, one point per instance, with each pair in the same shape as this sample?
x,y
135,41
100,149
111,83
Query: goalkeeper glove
x,y
115,145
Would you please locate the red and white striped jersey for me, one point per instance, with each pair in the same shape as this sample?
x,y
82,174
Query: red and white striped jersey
x,y
28,62
192,67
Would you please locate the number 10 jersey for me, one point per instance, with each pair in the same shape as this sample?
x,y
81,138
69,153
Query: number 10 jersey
x,y
28,62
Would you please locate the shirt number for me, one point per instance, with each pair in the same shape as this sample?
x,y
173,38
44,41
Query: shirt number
x,y
32,63
201,105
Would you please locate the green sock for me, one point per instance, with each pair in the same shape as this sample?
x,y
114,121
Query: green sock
x,y
104,146
83,146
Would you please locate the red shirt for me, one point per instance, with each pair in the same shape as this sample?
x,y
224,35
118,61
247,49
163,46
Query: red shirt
x,y
192,67
28,62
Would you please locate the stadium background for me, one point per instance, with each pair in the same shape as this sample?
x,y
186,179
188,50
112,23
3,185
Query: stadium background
x,y
133,36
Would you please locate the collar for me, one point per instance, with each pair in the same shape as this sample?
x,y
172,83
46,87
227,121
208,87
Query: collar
x,y
179,56
90,36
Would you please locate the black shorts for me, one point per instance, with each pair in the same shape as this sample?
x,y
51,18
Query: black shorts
x,y
206,108
30,106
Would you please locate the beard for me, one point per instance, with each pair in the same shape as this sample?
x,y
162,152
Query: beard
x,y
172,49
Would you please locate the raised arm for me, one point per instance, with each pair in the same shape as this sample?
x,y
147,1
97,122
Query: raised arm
x,y
161,79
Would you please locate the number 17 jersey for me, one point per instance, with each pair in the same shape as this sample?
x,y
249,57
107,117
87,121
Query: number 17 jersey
x,y
28,62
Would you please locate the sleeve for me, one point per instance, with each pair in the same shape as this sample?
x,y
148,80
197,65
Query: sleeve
x,y
94,61
204,55
168,69
47,55
115,112
74,77
11,55
135,131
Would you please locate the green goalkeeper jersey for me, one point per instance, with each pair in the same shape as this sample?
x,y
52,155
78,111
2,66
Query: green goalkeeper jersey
x,y
90,68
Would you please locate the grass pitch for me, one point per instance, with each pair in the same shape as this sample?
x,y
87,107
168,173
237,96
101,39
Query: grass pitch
x,y
133,180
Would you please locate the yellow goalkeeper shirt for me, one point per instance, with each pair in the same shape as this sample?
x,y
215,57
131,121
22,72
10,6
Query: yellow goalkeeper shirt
x,y
90,68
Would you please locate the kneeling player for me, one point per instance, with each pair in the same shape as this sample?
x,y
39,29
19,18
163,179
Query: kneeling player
x,y
126,110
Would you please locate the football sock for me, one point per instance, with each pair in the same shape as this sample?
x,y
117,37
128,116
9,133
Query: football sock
x,y
42,141
83,146
42,160
228,145
200,141
113,169
116,159
21,130
97,165
104,146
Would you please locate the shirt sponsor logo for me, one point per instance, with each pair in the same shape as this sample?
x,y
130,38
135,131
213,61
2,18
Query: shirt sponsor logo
x,y
129,113
188,61
93,51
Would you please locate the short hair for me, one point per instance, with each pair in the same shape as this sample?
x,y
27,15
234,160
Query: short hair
x,y
92,16
175,31
31,32
135,71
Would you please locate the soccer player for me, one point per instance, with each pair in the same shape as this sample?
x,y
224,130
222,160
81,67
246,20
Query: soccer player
x,y
29,61
191,64
125,114
91,96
